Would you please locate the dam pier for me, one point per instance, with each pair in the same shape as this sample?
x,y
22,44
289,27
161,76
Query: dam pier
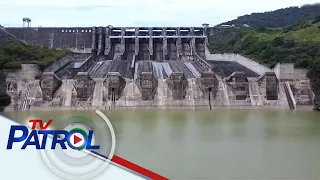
x,y
147,67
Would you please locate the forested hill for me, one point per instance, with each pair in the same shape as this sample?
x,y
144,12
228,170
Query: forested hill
x,y
278,18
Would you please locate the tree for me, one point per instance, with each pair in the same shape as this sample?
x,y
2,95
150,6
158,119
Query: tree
x,y
317,19
5,100
278,41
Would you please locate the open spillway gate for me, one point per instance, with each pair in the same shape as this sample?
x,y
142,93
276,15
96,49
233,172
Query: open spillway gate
x,y
149,43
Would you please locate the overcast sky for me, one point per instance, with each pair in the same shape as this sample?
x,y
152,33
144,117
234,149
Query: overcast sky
x,y
133,12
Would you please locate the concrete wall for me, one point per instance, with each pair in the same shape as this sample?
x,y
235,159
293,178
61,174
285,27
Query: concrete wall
x,y
299,82
98,39
27,72
6,37
239,83
300,74
77,39
284,71
249,63
21,83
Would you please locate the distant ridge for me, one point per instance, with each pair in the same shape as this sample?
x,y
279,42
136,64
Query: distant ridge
x,y
278,18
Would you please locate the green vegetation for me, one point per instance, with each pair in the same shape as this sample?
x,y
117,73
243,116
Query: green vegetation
x,y
279,18
5,100
13,54
299,44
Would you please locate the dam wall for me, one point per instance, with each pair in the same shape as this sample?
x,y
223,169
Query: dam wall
x,y
284,71
148,67
177,86
77,39
7,37
115,41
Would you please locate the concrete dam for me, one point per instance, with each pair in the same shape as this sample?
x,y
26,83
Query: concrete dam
x,y
148,67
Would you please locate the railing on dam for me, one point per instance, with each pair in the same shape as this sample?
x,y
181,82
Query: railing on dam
x,y
202,63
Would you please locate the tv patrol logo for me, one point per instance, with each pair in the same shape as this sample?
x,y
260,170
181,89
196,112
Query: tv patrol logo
x,y
68,151
77,138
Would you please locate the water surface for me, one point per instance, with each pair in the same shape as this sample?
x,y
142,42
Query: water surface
x,y
218,144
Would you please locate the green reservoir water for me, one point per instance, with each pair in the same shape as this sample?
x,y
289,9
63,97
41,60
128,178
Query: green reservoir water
x,y
218,144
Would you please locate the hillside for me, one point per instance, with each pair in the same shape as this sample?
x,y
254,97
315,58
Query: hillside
x,y
279,18
300,45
